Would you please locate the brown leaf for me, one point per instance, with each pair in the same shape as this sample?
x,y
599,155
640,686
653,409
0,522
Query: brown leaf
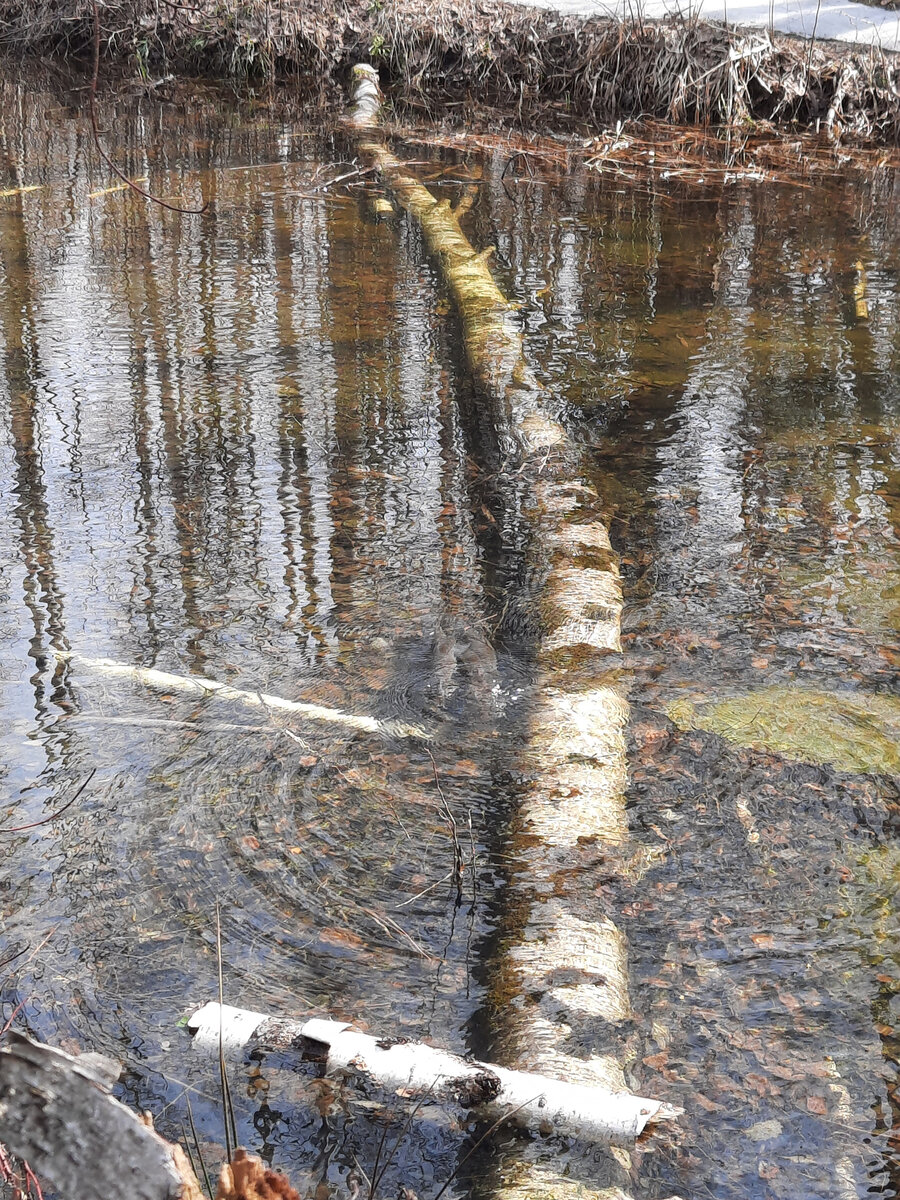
x,y
464,767
333,936
657,1061
817,1105
761,1084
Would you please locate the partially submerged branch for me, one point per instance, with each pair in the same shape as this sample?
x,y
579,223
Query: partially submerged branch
x,y
540,1103
199,686
92,106
492,340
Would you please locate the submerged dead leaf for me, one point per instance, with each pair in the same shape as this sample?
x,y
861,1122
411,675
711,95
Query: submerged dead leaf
x,y
332,936
763,940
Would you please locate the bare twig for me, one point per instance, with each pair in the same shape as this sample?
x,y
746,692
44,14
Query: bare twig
x,y
393,926
209,1187
230,1127
496,1125
59,811
448,816
92,98
12,1016
377,1177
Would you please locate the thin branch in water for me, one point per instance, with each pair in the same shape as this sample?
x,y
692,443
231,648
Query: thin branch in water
x,y
209,1188
92,105
424,891
12,958
187,1149
12,1016
448,816
230,1127
59,811
356,173
378,1177
484,1137
474,861
399,929
353,1183
165,723
375,1176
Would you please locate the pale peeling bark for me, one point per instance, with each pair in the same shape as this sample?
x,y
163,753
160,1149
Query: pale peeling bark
x,y
566,963
570,961
56,1112
579,1108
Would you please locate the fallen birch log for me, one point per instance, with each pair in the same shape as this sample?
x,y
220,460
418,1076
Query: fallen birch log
x,y
542,1104
562,949
199,686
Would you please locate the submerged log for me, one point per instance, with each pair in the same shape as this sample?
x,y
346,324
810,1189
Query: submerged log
x,y
492,341
565,955
199,686
539,1103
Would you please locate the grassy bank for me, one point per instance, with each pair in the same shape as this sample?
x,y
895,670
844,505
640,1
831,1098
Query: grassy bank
x,y
528,62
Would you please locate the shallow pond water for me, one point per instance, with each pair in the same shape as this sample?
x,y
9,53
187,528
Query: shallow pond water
x,y
244,445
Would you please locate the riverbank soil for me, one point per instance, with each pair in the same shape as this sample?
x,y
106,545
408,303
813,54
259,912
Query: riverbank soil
x,y
531,62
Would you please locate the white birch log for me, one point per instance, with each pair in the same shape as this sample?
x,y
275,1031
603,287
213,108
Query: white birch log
x,y
543,1104
565,954
199,686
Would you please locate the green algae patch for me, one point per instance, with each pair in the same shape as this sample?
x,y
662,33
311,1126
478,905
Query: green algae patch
x,y
852,732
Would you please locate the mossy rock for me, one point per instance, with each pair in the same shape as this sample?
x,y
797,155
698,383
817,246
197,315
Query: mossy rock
x,y
850,731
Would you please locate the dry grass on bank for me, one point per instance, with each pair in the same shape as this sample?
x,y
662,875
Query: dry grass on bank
x,y
528,62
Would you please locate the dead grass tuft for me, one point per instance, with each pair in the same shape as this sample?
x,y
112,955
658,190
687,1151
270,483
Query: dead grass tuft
x,y
529,62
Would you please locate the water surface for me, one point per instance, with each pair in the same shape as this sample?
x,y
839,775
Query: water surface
x,y
243,445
